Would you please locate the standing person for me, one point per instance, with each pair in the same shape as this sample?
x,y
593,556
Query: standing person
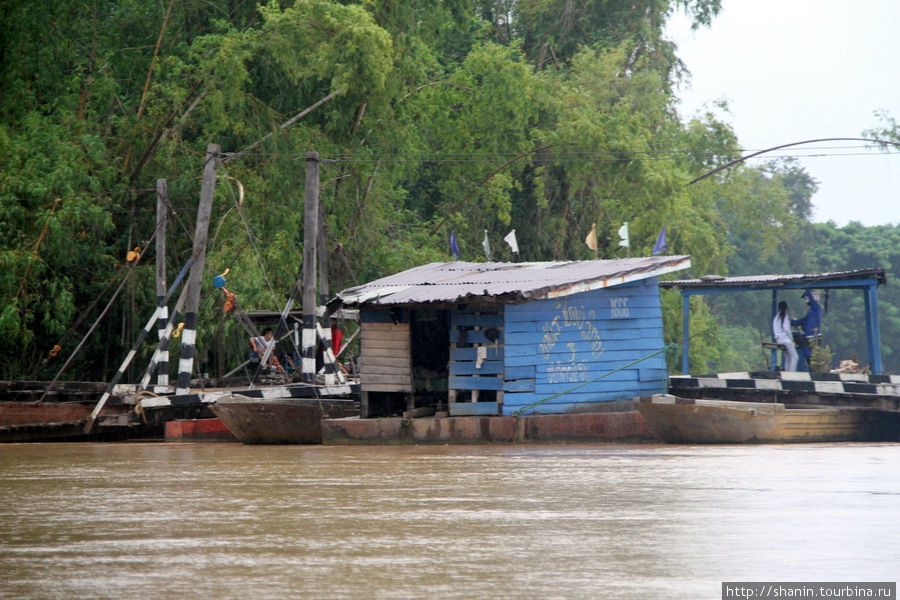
x,y
811,324
337,336
258,346
781,331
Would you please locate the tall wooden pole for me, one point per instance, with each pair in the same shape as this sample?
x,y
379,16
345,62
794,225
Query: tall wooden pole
x,y
310,234
325,332
162,378
192,303
322,257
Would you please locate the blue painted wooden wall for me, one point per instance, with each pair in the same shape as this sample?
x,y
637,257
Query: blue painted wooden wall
x,y
553,345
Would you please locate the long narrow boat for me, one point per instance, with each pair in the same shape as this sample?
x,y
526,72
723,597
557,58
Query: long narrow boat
x,y
703,421
26,416
279,420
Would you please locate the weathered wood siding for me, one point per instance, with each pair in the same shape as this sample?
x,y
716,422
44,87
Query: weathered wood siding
x,y
553,345
385,363
476,358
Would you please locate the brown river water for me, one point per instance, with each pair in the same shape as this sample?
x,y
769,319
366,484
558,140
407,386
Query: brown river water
x,y
225,521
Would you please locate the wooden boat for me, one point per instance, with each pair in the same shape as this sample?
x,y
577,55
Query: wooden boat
x,y
279,420
26,417
704,421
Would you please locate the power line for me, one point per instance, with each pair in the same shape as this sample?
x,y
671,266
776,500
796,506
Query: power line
x,y
550,156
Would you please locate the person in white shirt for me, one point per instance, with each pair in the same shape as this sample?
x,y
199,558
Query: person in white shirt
x,y
258,346
781,331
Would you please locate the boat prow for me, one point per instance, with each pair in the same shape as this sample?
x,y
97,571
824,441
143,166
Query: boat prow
x,y
703,421
277,420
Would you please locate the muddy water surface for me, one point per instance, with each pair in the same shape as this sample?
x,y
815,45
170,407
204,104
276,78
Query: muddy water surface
x,y
230,521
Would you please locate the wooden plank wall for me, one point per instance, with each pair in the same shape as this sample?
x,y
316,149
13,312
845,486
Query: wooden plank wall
x,y
385,357
553,345
471,330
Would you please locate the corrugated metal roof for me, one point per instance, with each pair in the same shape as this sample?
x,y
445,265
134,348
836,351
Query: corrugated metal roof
x,y
770,281
507,282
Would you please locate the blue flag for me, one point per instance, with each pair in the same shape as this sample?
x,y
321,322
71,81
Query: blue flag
x,y
660,246
454,249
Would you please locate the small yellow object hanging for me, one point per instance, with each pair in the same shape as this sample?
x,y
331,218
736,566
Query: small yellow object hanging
x,y
134,255
55,351
177,332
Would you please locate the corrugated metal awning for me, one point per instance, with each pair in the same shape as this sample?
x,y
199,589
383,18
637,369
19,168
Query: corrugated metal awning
x,y
507,282
765,282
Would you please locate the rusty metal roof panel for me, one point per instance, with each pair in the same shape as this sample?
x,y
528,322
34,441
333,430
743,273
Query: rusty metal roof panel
x,y
832,279
507,282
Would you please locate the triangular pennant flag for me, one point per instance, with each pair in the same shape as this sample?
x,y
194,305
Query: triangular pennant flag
x,y
660,246
591,239
511,240
454,248
487,245
623,233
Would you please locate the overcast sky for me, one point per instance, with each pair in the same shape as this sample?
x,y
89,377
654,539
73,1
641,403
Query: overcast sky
x,y
793,70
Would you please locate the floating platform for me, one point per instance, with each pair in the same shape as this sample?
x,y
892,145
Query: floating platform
x,y
790,388
30,412
705,421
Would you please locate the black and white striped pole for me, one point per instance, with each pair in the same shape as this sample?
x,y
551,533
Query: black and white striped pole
x,y
310,235
162,377
189,335
133,351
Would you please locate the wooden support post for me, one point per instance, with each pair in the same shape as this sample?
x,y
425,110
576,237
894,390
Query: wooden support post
x,y
329,366
162,377
775,364
167,333
365,411
131,354
192,303
873,333
322,258
685,332
310,233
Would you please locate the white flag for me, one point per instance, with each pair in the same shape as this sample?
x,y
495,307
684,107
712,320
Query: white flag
x,y
623,233
487,246
511,240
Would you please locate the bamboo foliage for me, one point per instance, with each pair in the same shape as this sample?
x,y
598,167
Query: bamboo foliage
x,y
430,115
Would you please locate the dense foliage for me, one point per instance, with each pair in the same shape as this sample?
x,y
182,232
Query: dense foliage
x,y
431,115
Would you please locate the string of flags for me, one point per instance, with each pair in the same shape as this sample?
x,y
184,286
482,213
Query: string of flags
x,y
624,240
591,241
510,239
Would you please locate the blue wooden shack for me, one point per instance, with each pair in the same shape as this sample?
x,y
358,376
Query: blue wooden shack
x,y
512,338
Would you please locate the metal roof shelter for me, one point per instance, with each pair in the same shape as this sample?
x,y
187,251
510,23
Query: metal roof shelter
x,y
501,338
866,280
506,282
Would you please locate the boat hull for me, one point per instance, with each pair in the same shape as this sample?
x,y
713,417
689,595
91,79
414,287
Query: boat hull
x,y
277,420
703,421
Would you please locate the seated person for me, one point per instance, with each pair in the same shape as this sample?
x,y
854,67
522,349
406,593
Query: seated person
x,y
258,346
781,331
